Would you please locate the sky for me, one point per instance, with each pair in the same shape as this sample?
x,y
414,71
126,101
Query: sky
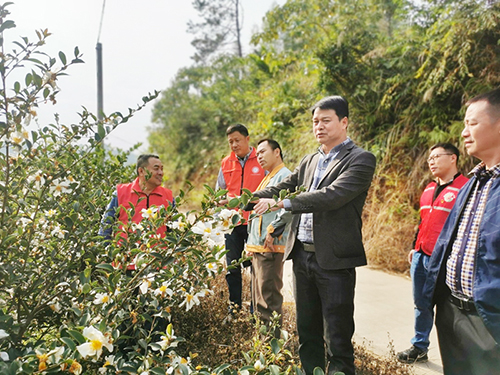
x,y
144,44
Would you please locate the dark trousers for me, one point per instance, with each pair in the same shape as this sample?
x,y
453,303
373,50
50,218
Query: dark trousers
x,y
235,243
465,344
325,314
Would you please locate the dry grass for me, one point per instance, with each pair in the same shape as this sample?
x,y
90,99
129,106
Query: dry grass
x,y
216,342
389,224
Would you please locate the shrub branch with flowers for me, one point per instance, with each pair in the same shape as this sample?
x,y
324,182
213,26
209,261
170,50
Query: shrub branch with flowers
x,y
68,303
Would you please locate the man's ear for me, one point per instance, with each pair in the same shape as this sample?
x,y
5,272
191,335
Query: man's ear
x,y
344,122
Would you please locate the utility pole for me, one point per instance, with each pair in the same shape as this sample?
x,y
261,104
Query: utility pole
x,y
100,107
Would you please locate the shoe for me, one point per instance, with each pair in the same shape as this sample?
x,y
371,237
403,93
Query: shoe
x,y
412,355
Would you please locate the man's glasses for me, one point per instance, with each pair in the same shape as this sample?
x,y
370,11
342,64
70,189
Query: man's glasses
x,y
434,157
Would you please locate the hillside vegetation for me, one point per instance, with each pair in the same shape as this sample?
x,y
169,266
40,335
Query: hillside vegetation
x,y
405,68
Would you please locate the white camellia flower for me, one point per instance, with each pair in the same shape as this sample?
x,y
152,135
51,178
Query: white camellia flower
x,y
55,305
146,283
71,181
24,221
37,179
225,217
137,226
58,232
164,290
3,334
102,298
109,361
96,341
175,368
259,366
192,299
50,213
212,268
58,187
204,228
4,356
19,136
167,341
179,224
149,213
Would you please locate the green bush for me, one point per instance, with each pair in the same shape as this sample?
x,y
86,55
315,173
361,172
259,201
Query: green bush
x,y
68,304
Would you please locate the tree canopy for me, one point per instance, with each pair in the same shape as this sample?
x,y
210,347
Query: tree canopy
x,y
405,67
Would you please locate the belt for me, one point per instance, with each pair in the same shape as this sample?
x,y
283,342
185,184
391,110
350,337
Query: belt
x,y
462,304
309,247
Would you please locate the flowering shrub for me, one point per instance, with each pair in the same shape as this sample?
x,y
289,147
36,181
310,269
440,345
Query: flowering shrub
x,y
68,301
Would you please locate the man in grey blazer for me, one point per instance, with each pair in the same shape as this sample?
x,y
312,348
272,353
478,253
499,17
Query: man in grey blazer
x,y
325,241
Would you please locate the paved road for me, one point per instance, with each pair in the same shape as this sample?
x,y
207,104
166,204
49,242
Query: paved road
x,y
383,315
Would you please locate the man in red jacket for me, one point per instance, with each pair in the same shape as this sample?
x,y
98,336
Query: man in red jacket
x,y
436,203
146,191
239,170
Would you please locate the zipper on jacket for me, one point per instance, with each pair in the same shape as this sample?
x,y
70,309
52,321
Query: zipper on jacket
x,y
242,177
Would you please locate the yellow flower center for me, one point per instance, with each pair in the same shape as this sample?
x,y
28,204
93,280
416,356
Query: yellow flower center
x,y
96,345
163,288
105,299
189,297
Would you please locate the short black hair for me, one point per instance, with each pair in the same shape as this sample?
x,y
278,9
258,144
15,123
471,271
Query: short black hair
x,y
237,128
335,102
448,147
492,97
143,161
274,145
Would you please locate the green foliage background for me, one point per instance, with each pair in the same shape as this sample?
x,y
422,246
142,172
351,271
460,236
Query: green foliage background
x,y
405,67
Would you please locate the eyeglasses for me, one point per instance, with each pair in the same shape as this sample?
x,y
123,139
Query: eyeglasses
x,y
434,157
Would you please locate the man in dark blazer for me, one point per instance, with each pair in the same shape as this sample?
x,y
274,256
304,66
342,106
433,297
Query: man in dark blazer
x,y
325,241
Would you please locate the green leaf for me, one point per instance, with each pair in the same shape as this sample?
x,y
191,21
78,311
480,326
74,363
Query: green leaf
x,y
17,87
8,24
220,193
210,190
275,346
62,56
283,194
235,219
157,371
318,371
221,368
86,288
101,131
68,222
70,343
275,370
156,255
143,344
247,192
77,336
233,203
105,266
84,319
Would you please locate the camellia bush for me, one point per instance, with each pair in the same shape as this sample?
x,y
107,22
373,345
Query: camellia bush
x,y
69,302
